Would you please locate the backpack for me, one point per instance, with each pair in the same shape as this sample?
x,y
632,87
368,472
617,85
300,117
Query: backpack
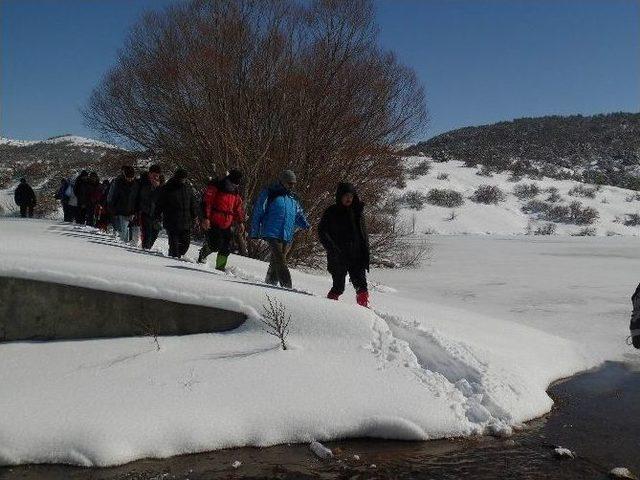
x,y
635,319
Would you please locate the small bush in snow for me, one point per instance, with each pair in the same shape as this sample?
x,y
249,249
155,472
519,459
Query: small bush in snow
x,y
604,200
585,232
546,229
445,198
414,200
558,213
276,320
524,190
583,191
582,215
452,216
420,169
514,177
484,171
488,194
632,220
443,176
554,195
633,198
536,206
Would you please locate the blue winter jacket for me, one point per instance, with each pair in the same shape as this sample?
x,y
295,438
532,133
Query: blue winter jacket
x,y
276,214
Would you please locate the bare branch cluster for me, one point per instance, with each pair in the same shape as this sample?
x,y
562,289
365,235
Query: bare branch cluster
x,y
276,320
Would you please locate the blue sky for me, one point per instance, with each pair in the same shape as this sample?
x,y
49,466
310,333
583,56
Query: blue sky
x,y
481,61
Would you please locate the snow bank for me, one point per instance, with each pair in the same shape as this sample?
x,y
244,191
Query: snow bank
x,y
413,367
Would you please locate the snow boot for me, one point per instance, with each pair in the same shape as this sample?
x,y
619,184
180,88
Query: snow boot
x,y
333,295
221,262
363,298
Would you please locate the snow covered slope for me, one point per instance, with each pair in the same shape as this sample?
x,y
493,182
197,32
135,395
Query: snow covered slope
x,y
446,350
74,140
613,204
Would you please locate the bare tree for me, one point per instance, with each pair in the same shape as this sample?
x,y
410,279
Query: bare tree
x,y
276,320
264,86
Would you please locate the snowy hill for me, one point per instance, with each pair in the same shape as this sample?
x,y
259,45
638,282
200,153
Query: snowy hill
x,y
528,206
466,345
73,140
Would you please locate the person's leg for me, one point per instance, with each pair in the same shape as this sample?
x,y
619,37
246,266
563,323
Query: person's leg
x,y
30,211
275,253
153,235
338,276
23,211
185,241
224,248
123,227
358,277
171,234
279,251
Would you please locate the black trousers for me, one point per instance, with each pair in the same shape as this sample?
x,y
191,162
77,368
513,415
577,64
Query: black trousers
x,y
218,240
149,231
68,212
81,214
179,241
26,210
357,275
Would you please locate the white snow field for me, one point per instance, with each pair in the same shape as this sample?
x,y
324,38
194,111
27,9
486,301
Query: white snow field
x,y
507,217
465,345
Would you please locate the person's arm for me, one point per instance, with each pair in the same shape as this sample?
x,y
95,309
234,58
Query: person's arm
x,y
301,219
323,234
258,213
33,197
111,196
238,212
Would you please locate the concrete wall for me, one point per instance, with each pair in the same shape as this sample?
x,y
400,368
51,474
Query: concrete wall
x,y
34,310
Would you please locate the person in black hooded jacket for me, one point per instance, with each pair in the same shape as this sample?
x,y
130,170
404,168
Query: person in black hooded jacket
x,y
343,234
25,198
177,205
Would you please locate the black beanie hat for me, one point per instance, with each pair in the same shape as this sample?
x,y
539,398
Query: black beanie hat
x,y
181,174
235,176
344,187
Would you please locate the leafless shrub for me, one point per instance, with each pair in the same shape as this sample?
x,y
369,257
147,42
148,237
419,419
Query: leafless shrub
x,y
414,200
582,215
263,86
536,206
632,219
585,232
452,216
276,320
421,169
583,191
633,198
443,176
558,213
150,328
524,191
514,177
46,206
605,200
546,229
484,171
488,194
554,196
445,198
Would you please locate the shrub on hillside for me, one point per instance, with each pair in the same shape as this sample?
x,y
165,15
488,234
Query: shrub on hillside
x,y
443,176
484,171
524,190
420,169
488,194
535,206
585,232
558,213
583,191
442,197
632,220
546,229
414,200
582,215
554,195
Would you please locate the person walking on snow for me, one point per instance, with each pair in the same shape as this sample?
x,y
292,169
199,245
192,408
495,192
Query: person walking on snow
x,y
81,190
177,205
276,216
25,198
121,201
221,207
61,195
343,234
148,192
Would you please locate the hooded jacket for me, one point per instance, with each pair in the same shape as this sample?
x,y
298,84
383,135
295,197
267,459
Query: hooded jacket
x,y
222,204
177,205
24,195
122,196
277,214
343,232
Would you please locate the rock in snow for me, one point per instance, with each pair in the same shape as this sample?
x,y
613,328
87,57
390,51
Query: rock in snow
x,y
320,450
236,464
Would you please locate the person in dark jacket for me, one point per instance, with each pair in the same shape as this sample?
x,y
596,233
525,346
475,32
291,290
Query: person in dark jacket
x,y
81,191
177,205
68,211
103,217
93,191
277,214
222,207
121,201
148,191
343,234
25,198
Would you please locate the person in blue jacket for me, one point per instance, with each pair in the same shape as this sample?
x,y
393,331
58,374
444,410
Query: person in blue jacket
x,y
277,214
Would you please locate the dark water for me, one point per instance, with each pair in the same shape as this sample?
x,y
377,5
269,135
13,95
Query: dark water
x,y
597,415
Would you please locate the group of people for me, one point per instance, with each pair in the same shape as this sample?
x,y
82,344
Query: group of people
x,y
138,209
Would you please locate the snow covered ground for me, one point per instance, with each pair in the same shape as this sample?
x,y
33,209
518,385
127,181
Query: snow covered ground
x,y
507,217
466,344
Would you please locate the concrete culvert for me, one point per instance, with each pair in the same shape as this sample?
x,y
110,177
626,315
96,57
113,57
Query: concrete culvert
x,y
36,310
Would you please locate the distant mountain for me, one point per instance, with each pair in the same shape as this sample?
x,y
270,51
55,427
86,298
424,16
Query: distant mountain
x,y
44,162
602,149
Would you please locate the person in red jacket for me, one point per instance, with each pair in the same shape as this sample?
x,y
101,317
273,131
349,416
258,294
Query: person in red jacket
x,y
222,207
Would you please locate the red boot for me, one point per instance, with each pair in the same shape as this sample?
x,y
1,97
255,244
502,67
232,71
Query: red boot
x,y
333,295
363,298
